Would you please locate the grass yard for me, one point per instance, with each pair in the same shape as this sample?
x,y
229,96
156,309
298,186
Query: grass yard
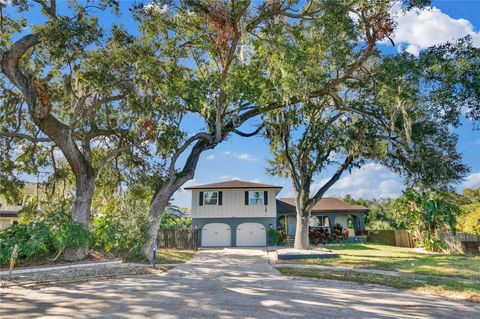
x,y
445,287
371,256
174,256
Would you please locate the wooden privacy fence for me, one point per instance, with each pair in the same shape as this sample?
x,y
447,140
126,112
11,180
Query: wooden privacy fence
x,y
460,243
178,238
400,238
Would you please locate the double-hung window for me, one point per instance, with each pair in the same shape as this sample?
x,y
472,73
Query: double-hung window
x,y
210,198
256,198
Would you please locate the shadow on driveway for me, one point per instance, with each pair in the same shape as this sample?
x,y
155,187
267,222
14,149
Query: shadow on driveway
x,y
229,283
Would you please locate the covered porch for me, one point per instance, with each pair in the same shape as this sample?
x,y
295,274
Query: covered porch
x,y
324,216
354,222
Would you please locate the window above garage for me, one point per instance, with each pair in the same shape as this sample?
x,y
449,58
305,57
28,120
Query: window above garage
x,y
256,198
210,198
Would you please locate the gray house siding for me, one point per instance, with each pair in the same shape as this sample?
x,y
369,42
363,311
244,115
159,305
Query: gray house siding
x,y
267,222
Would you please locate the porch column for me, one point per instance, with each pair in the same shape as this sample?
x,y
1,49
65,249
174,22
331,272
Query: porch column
x,y
331,221
361,220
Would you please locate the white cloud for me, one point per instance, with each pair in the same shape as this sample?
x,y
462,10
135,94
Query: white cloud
x,y
155,7
245,157
256,180
229,178
240,156
472,181
419,30
210,157
371,181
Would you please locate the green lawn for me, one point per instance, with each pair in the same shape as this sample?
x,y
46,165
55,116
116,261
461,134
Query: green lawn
x,y
174,256
371,256
446,287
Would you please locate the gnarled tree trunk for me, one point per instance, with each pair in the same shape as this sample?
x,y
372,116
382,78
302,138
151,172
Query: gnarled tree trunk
x,y
85,188
169,187
155,214
39,106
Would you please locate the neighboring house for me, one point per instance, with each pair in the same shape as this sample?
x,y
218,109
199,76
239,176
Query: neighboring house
x,y
9,212
238,213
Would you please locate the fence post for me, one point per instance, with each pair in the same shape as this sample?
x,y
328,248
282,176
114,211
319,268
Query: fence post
x,y
13,259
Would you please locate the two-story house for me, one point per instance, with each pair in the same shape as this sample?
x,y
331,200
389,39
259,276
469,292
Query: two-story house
x,y
234,213
238,213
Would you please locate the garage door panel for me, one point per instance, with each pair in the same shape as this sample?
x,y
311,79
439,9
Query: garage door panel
x,y
251,234
216,235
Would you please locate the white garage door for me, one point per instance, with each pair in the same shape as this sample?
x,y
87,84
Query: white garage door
x,y
216,235
251,234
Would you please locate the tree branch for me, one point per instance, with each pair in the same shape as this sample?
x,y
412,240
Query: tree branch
x,y
30,138
182,149
114,153
9,63
350,158
293,169
49,9
259,128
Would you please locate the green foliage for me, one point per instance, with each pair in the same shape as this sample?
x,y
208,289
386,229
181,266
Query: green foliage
x,y
120,223
426,212
469,221
273,236
175,221
120,232
51,232
64,232
381,214
379,225
33,240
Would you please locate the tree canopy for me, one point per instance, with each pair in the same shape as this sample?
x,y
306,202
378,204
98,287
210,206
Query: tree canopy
x,y
309,71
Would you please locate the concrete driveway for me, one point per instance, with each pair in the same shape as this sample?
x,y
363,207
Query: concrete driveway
x,y
230,283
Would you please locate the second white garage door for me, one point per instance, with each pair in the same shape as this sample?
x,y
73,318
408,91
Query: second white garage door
x,y
251,234
216,235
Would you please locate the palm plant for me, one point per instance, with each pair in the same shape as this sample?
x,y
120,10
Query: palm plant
x,y
426,212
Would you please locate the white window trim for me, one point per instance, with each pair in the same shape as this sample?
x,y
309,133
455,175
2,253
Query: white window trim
x,y
250,197
205,202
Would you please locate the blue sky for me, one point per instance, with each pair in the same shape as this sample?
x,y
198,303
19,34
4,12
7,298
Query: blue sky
x,y
246,159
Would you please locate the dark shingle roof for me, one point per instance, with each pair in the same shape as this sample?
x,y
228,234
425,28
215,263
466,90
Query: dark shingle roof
x,y
324,205
233,185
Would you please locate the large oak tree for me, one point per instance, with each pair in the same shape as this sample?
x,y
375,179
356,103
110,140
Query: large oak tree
x,y
217,61
71,86
397,111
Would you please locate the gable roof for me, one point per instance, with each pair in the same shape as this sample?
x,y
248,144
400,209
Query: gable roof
x,y
233,185
286,205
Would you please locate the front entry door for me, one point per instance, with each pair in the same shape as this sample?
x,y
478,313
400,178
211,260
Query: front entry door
x,y
291,225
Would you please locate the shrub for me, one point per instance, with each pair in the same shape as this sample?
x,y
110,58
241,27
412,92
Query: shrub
x,y
379,225
318,235
64,232
273,237
51,232
171,221
120,232
282,236
434,245
33,240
